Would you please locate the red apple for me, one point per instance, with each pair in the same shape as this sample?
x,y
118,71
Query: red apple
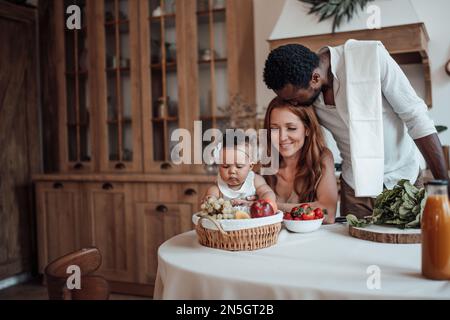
x,y
261,208
273,204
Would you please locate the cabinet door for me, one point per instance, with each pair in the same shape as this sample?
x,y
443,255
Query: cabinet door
x,y
76,87
212,64
59,220
157,222
164,91
119,87
111,229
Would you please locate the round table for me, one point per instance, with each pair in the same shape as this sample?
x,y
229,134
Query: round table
x,y
326,264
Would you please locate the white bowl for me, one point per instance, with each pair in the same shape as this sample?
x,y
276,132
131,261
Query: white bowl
x,y
303,226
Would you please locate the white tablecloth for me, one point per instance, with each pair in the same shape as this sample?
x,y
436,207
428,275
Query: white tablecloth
x,y
326,264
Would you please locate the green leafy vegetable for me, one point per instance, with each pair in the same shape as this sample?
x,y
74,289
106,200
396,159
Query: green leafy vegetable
x,y
402,206
355,222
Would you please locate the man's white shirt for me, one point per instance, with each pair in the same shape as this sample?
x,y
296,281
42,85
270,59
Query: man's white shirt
x,y
405,118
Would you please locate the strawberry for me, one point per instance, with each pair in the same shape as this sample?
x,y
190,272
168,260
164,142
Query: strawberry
x,y
308,217
309,214
318,213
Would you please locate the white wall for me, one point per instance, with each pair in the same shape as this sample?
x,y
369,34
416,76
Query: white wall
x,y
435,16
266,13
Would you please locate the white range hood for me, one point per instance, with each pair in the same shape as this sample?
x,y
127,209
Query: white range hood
x,y
295,21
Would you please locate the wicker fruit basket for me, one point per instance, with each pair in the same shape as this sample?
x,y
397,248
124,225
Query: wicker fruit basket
x,y
242,239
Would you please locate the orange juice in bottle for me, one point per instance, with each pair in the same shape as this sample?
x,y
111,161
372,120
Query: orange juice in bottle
x,y
436,232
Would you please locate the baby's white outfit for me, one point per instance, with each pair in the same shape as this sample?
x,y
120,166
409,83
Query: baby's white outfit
x,y
247,189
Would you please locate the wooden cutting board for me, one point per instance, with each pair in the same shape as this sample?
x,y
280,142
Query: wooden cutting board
x,y
386,234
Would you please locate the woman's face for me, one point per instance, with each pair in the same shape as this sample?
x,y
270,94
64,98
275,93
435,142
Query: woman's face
x,y
289,130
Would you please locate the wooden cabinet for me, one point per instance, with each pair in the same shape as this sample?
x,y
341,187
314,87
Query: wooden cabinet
x,y
134,72
111,229
138,70
76,88
197,57
118,71
126,220
60,220
156,223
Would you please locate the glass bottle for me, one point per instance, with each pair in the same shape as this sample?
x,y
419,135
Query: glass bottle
x,y
436,232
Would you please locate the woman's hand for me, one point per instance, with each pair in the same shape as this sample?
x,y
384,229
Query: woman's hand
x,y
328,220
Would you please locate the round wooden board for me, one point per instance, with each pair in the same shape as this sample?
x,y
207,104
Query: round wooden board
x,y
386,234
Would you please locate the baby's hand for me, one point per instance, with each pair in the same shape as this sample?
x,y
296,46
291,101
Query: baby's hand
x,y
243,202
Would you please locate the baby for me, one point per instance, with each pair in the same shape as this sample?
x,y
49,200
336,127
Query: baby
x,y
236,181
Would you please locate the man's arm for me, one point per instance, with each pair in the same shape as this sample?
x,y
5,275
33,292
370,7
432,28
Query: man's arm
x,y
431,149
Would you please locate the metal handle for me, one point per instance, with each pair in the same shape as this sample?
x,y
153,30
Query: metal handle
x,y
190,192
78,166
58,185
162,208
166,166
120,166
107,186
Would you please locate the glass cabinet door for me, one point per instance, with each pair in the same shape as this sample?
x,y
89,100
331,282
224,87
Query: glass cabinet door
x,y
212,64
160,29
76,96
120,112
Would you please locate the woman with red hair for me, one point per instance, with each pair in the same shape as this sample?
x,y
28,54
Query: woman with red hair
x,y
306,173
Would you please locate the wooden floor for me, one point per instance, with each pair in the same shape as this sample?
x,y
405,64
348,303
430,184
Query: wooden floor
x,y
34,290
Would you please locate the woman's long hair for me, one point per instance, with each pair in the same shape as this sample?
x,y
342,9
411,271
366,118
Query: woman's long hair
x,y
310,164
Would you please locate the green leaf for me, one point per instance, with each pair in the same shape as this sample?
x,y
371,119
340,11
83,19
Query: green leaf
x,y
352,220
408,204
355,222
401,206
403,211
336,9
410,189
440,129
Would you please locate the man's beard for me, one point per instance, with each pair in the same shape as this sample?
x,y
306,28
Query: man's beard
x,y
313,98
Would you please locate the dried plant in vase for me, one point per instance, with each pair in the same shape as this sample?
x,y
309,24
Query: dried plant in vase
x,y
240,113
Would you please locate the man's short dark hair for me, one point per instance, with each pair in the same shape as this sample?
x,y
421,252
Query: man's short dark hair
x,y
291,63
